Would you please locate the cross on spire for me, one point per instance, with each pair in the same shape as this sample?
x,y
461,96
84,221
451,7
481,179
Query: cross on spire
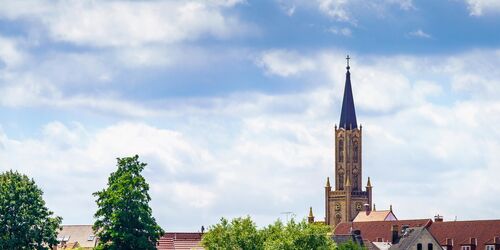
x,y
347,58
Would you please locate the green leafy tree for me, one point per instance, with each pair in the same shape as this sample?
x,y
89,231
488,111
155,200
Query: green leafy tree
x,y
124,219
297,236
241,233
350,245
25,221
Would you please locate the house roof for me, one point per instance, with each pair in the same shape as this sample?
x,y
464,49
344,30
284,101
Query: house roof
x,y
373,230
461,232
373,216
406,240
180,241
348,113
77,233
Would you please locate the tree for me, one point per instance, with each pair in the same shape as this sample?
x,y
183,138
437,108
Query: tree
x,y
350,245
296,236
25,221
124,219
241,233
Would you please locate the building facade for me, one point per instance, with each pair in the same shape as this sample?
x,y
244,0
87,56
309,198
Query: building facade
x,y
347,198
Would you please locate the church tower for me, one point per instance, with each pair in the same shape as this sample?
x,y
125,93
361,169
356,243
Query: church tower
x,y
347,199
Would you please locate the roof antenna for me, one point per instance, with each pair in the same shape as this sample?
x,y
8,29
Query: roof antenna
x,y
348,58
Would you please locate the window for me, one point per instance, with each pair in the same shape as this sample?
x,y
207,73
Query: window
x,y
356,149
91,237
419,246
445,247
341,150
429,246
465,247
490,247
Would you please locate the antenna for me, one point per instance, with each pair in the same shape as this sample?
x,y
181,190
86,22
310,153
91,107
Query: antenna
x,y
287,213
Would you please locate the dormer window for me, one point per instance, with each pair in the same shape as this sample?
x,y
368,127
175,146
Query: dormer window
x,y
490,247
466,248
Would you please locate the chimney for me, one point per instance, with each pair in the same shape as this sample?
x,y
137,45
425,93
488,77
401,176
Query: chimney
x,y
395,234
367,209
497,240
438,218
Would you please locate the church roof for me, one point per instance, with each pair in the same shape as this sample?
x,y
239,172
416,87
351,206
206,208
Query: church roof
x,y
348,113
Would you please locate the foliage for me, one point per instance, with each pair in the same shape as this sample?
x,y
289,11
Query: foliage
x,y
350,245
295,236
26,222
241,233
124,219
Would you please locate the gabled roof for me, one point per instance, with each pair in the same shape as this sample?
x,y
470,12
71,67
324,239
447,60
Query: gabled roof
x,y
406,240
180,241
83,234
348,113
374,230
374,216
461,232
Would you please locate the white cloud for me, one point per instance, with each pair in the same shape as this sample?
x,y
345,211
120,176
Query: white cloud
x,y
261,154
10,53
284,63
336,9
419,33
341,31
403,4
479,7
128,23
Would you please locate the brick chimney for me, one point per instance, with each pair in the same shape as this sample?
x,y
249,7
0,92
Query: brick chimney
x,y
395,234
438,218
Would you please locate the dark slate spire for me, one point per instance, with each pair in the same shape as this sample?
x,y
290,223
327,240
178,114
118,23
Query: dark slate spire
x,y
348,114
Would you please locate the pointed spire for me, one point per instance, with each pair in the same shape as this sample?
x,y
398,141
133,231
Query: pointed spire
x,y
369,184
390,208
347,182
310,218
327,181
348,113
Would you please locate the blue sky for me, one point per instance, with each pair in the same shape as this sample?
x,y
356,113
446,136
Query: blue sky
x,y
232,103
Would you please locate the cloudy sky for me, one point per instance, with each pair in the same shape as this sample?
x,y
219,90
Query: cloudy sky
x,y
232,103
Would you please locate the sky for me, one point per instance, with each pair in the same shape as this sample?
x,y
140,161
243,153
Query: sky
x,y
232,103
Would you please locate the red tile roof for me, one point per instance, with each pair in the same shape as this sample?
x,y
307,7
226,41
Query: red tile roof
x,y
180,241
373,216
374,230
484,231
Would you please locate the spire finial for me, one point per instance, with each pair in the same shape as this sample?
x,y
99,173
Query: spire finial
x,y
327,181
347,58
369,184
390,208
374,208
311,212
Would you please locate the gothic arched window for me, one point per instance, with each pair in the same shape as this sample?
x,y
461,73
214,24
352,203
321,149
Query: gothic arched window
x,y
341,181
356,152
341,150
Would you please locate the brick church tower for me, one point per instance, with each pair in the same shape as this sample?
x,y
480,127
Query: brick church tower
x,y
348,198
